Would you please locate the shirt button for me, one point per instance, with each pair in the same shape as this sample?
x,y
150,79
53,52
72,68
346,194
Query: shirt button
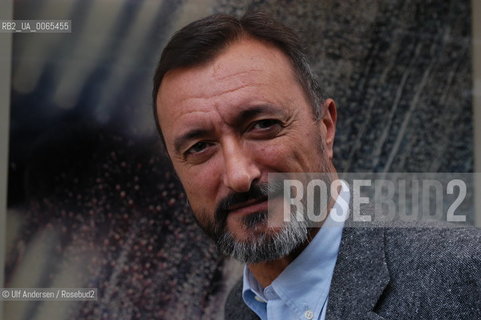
x,y
269,293
259,299
309,314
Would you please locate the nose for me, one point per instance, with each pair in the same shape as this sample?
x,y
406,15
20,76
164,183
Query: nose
x,y
241,169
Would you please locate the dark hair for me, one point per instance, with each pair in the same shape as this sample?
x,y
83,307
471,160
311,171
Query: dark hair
x,y
202,40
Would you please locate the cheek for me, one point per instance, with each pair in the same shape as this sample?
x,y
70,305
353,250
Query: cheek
x,y
276,155
291,153
200,187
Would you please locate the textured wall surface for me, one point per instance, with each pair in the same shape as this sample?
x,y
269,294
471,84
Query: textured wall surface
x,y
92,201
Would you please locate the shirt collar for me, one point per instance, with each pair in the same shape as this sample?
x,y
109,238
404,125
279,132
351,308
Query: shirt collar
x,y
304,283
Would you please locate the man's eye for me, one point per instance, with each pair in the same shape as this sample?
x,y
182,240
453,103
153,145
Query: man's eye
x,y
265,124
197,148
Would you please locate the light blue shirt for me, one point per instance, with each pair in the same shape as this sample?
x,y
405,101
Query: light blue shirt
x,y
301,290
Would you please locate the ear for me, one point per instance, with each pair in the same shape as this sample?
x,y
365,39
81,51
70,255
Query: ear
x,y
329,125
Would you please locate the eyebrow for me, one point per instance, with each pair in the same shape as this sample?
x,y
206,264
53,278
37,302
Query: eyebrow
x,y
239,119
252,111
189,135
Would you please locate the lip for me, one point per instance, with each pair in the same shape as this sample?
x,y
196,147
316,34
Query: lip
x,y
249,207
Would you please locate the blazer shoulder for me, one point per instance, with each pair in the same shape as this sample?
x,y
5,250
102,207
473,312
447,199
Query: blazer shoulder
x,y
435,242
435,253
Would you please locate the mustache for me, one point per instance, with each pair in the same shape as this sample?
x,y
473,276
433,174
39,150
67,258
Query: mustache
x,y
257,192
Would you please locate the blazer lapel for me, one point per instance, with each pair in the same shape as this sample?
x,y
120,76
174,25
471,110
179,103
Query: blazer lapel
x,y
360,275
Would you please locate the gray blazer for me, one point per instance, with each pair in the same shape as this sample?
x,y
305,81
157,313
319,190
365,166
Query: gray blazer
x,y
399,273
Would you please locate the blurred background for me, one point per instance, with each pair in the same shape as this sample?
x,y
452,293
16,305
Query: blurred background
x,y
91,200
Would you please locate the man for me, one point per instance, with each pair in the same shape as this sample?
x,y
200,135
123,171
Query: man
x,y
235,100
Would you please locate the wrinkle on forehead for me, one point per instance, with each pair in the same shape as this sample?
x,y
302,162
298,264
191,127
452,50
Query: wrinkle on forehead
x,y
210,105
209,86
191,100
218,74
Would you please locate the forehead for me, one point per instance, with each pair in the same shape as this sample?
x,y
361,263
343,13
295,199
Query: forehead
x,y
246,70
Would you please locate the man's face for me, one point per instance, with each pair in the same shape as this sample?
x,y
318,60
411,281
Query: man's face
x,y
230,122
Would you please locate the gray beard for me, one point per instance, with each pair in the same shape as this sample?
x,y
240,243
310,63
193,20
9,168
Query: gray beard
x,y
266,246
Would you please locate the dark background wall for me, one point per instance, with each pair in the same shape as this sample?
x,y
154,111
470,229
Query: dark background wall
x,y
93,202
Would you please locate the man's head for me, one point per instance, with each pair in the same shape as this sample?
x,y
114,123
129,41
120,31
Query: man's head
x,y
235,99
